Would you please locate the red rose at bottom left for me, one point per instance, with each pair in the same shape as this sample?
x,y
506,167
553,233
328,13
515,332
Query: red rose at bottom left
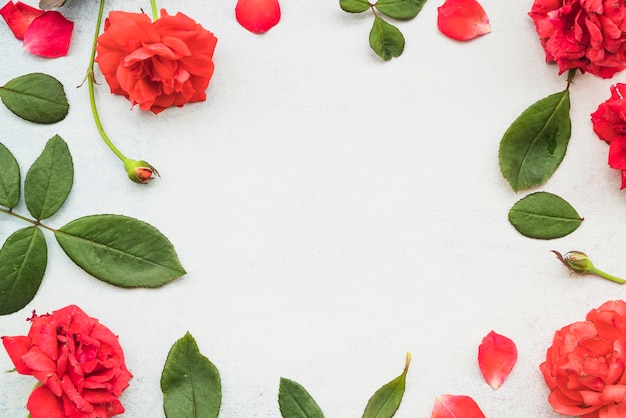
x,y
78,362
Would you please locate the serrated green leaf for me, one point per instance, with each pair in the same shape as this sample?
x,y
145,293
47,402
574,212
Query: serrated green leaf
x,y
386,40
386,400
354,6
534,145
400,9
190,383
49,180
23,260
119,250
544,215
36,97
9,179
295,402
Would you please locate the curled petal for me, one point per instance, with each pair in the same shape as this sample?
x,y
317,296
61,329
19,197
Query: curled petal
x,y
462,19
19,16
257,16
497,355
49,35
456,406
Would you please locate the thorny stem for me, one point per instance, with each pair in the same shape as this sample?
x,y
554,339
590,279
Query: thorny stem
x,y
32,221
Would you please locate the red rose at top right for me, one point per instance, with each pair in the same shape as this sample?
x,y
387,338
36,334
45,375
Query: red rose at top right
x,y
588,35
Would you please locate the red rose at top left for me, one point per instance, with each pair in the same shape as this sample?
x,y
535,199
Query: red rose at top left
x,y
78,362
168,62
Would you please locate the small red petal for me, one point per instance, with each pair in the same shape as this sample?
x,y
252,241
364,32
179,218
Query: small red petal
x,y
257,16
19,16
49,35
17,347
462,19
497,355
456,406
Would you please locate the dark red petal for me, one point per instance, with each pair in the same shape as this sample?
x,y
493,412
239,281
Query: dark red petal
x,y
456,406
497,355
462,19
257,16
19,16
49,35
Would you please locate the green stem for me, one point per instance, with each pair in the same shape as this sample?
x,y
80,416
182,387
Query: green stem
x,y
607,276
31,221
155,12
91,80
570,76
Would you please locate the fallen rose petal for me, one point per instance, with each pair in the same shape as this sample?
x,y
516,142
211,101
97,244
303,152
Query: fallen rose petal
x,y
497,355
257,16
462,19
49,35
456,406
19,16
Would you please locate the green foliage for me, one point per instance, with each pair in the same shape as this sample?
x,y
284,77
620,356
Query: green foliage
x,y
544,215
295,402
354,6
9,179
190,383
36,97
386,40
385,401
400,9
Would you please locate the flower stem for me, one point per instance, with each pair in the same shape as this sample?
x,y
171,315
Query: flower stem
x,y
607,276
570,76
155,12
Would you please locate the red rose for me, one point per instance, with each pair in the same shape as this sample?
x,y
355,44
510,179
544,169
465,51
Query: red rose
x,y
584,34
78,361
609,123
158,64
584,368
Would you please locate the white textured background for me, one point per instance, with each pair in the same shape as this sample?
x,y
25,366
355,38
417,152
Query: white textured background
x,y
333,211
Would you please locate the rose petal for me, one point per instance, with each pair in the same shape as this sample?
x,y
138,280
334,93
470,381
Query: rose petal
x,y
19,16
44,404
497,355
456,406
17,347
257,16
462,19
49,35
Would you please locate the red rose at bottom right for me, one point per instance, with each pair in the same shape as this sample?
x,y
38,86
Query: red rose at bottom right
x,y
585,365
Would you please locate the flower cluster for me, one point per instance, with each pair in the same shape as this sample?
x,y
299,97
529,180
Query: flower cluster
x,y
609,123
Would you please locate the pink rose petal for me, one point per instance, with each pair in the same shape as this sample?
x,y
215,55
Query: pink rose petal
x,y
257,16
462,19
49,35
456,406
497,355
19,16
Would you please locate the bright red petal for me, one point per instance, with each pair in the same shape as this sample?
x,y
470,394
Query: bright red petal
x,y
49,35
43,404
257,16
19,16
462,19
497,355
17,347
456,406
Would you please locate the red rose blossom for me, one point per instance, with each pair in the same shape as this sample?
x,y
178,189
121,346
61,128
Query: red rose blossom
x,y
168,62
584,368
584,34
609,123
78,361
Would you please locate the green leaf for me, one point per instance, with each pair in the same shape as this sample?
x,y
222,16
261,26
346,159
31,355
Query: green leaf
x,y
534,145
23,259
386,40
400,9
36,97
9,179
295,402
190,383
120,250
545,216
386,401
354,6
49,180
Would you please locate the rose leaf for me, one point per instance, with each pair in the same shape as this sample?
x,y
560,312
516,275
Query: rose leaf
x,y
544,215
385,401
9,179
497,355
295,402
453,406
534,145
49,180
354,6
23,259
190,383
120,250
400,9
36,97
386,40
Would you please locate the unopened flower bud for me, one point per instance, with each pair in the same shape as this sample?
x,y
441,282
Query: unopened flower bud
x,y
578,262
140,171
